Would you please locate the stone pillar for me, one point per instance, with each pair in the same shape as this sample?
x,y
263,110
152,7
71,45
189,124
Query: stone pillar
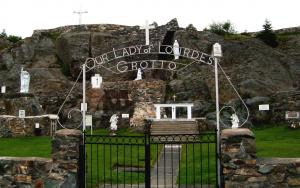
x,y
189,112
238,152
65,155
173,112
157,112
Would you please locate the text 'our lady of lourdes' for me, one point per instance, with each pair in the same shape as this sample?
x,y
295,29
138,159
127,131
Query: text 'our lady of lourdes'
x,y
152,49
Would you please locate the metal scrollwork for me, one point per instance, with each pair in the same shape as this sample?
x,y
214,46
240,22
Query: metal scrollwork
x,y
73,109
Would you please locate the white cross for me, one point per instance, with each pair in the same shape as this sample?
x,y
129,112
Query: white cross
x,y
80,14
147,27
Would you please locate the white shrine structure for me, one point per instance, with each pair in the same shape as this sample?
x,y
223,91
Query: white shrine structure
x,y
173,106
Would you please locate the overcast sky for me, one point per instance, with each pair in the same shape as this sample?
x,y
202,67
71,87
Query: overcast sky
x,y
21,17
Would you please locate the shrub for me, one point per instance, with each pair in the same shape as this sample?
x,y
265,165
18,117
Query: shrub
x,y
222,28
13,38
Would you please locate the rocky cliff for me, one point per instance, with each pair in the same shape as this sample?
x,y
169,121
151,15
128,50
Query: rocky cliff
x,y
54,57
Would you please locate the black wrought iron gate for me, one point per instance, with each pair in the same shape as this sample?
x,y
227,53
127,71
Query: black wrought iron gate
x,y
188,160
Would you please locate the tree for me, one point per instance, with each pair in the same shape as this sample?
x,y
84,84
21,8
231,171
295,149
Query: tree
x,y
3,33
267,35
222,28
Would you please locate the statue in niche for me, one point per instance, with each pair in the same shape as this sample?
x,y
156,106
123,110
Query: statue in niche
x,y
25,79
113,124
234,121
176,50
139,74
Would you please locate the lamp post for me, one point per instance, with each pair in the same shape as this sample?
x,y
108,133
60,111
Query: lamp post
x,y
217,53
83,105
96,83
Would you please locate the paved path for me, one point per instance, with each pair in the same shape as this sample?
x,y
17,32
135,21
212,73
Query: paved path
x,y
165,172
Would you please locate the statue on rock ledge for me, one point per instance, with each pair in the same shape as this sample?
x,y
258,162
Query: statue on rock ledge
x,y
176,50
234,121
113,124
139,74
25,79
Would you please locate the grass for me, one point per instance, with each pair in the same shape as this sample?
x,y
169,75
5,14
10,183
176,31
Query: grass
x,y
106,163
237,37
277,141
109,161
271,141
198,164
26,146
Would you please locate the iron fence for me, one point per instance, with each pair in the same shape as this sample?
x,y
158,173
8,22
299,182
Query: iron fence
x,y
188,160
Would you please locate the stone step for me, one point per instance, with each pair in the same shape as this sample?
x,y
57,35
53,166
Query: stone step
x,y
170,125
173,132
172,122
174,127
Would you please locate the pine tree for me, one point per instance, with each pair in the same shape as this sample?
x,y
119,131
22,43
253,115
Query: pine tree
x,y
3,34
267,35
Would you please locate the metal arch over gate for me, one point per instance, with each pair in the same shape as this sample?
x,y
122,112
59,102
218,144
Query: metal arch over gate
x,y
110,61
104,60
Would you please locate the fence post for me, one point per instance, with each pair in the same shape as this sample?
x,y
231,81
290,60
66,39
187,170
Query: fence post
x,y
65,155
147,154
239,158
81,165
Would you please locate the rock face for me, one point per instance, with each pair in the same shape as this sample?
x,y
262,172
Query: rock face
x,y
54,58
15,127
24,172
135,98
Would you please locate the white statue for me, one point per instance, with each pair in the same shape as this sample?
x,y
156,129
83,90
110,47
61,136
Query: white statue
x,y
176,50
3,89
234,121
139,74
113,123
25,79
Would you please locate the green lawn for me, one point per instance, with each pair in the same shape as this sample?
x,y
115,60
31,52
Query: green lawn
x,y
277,141
108,162
26,146
198,164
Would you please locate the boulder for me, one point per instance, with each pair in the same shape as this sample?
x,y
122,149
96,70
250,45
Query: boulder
x,y
73,49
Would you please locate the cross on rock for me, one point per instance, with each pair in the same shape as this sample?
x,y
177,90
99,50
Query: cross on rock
x,y
174,97
80,14
147,27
